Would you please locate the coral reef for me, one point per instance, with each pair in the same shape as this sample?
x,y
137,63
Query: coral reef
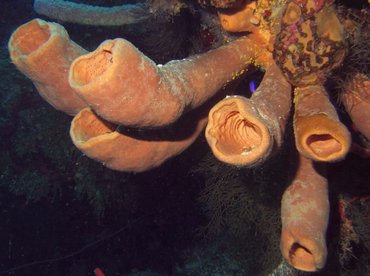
x,y
137,109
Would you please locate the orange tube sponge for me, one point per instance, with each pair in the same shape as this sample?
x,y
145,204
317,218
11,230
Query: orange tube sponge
x,y
124,86
241,19
304,215
243,131
319,134
132,150
44,52
356,100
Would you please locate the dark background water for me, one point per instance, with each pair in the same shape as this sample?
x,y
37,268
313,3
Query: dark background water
x,y
64,214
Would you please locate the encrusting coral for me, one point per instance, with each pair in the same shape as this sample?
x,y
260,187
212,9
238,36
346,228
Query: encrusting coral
x,y
310,42
138,109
